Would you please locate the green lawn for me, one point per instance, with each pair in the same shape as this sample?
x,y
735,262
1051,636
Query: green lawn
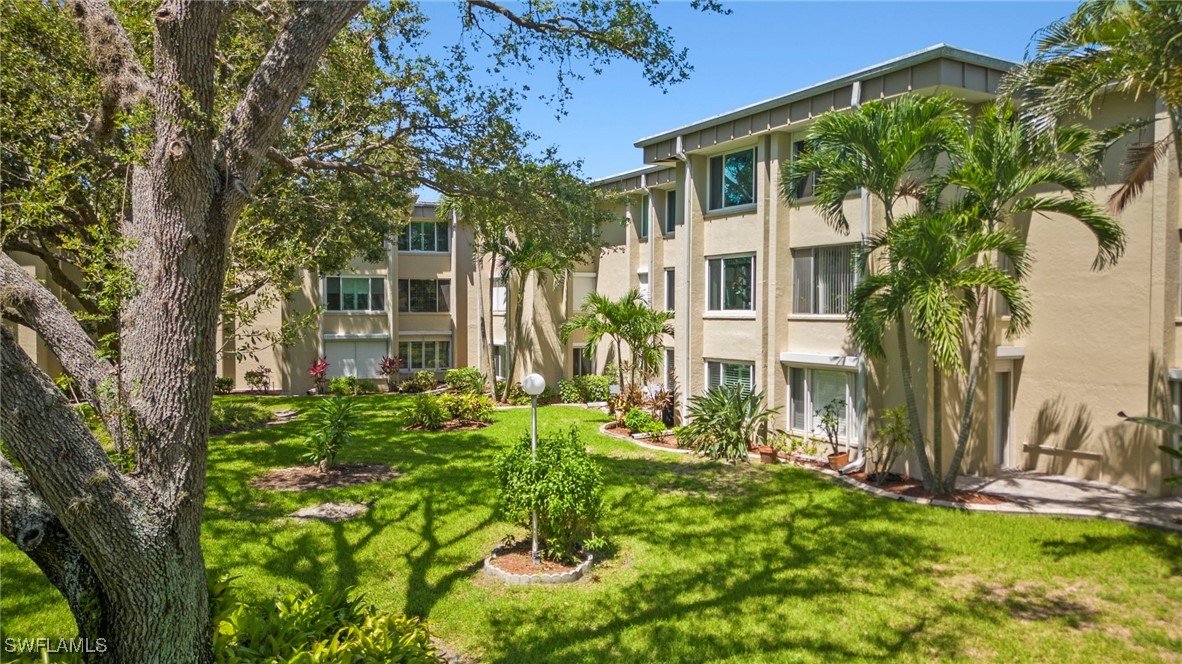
x,y
712,562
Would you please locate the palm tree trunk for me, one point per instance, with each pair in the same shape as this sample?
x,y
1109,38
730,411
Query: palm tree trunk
x,y
937,425
514,332
966,418
485,346
921,455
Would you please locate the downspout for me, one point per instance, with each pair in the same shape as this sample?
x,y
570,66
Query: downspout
x,y
862,383
687,276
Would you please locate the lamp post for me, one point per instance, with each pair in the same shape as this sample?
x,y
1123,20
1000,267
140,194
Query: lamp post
x,y
533,385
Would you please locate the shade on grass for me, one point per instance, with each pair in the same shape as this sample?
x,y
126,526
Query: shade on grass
x,y
711,562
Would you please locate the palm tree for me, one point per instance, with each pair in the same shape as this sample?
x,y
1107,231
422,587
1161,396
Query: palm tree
x,y
627,321
933,272
1129,47
1005,168
888,149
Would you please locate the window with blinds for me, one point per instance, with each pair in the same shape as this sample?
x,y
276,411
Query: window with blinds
x,y
823,279
810,390
355,294
729,373
423,295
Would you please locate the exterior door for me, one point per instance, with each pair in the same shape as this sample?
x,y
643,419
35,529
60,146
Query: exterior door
x,y
1002,404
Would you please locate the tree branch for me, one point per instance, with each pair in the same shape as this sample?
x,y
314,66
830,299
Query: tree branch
x,y
48,317
258,117
27,522
123,81
101,509
58,275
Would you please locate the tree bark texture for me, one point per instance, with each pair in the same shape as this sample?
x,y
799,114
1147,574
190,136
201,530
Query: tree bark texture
x,y
917,441
125,549
966,417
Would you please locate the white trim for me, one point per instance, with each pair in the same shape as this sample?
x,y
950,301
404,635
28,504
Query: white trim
x,y
355,336
1011,352
819,360
1175,374
727,313
727,209
324,293
424,333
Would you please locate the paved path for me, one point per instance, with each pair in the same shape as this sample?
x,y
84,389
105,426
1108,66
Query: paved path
x,y
1057,494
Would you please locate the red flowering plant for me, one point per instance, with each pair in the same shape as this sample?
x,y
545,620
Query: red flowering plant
x,y
319,373
389,367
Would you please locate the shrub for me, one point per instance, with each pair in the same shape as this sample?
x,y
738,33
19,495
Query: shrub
x,y
67,385
890,439
594,388
726,422
516,396
227,416
389,368
319,373
467,406
465,379
366,386
343,386
259,379
421,382
313,627
223,385
829,422
563,485
334,420
427,412
639,421
569,392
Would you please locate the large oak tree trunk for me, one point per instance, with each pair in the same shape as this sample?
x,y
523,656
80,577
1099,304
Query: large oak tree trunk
x,y
124,549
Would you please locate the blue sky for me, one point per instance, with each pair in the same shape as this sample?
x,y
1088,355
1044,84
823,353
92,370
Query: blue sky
x,y
761,50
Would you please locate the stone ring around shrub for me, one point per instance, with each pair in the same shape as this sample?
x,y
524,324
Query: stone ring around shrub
x,y
569,576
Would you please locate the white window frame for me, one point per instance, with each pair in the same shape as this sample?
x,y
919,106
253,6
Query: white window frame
x,y
721,364
369,280
814,297
423,340
500,357
722,296
500,296
406,234
809,426
713,206
577,302
643,229
1176,398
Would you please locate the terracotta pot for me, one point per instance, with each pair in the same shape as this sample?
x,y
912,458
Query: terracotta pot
x,y
768,455
837,461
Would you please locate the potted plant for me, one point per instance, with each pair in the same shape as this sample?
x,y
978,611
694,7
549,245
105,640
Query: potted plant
x,y
829,425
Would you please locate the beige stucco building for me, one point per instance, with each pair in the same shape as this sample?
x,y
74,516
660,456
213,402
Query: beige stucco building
x,y
759,293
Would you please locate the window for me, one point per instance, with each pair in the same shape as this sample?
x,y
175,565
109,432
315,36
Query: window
x,y
670,211
670,371
423,295
583,363
823,278
728,373
732,180
731,283
581,286
500,296
355,293
500,358
810,390
426,354
670,289
642,286
1176,393
644,203
806,187
425,236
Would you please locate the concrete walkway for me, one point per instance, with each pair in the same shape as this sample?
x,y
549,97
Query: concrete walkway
x,y
1069,496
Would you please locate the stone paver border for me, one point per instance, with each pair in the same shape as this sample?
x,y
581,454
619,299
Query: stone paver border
x,y
512,579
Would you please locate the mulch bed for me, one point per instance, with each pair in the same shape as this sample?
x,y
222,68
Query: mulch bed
x,y
906,486
453,425
621,431
516,559
309,478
